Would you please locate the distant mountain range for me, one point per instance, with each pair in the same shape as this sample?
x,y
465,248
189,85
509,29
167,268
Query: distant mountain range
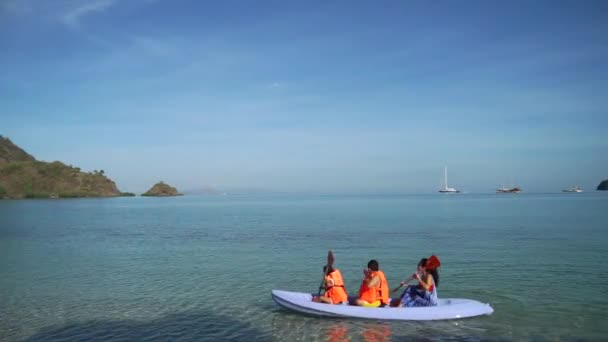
x,y
205,190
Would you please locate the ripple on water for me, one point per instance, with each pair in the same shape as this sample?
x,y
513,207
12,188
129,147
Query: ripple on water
x,y
192,269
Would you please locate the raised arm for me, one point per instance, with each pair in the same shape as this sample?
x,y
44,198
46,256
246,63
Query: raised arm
x,y
412,277
369,280
425,283
329,282
374,282
403,283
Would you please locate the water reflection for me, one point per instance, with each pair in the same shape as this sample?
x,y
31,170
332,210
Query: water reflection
x,y
338,333
376,332
368,332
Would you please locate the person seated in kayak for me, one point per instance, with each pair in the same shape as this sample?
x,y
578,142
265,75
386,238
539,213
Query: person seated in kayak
x,y
335,293
425,293
374,287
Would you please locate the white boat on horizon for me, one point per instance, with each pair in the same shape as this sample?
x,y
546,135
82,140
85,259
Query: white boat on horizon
x,y
573,189
504,190
446,189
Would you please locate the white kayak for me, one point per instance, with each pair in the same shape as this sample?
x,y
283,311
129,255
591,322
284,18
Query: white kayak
x,y
448,308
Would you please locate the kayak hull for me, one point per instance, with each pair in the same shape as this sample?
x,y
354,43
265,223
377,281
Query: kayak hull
x,y
448,308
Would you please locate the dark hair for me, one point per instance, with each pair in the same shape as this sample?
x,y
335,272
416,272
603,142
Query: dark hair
x,y
373,265
328,269
432,272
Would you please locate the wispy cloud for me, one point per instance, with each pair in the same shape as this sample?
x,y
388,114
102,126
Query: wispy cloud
x,y
74,16
68,12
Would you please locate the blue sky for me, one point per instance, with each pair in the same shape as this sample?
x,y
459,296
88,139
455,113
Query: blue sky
x,y
339,96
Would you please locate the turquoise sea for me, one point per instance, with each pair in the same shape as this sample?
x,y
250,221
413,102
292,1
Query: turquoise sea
x,y
202,267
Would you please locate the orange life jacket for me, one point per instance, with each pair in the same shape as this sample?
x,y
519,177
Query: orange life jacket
x,y
373,294
337,292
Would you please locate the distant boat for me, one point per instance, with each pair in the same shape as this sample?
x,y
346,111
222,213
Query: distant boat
x,y
446,189
504,190
573,189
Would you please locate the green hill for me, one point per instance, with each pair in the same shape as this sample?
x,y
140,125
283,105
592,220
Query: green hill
x,y
162,189
10,152
603,186
22,176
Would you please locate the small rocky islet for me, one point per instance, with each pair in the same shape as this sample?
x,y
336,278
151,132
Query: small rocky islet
x,y
162,189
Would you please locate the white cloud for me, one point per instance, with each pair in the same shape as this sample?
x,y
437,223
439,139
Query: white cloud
x,y
68,12
74,16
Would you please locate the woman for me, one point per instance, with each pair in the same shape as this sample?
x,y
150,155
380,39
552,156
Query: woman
x,y
335,293
425,293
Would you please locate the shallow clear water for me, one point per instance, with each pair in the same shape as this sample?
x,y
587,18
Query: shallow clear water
x,y
202,267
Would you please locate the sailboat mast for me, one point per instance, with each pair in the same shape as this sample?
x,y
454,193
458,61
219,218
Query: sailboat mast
x,y
446,176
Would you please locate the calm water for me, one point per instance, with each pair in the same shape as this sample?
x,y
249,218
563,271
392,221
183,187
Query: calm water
x,y
201,268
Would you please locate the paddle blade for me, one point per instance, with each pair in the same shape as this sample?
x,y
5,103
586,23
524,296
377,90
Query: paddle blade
x,y
432,263
330,258
330,262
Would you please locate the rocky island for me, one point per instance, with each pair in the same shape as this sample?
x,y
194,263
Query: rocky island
x,y
162,189
603,185
22,176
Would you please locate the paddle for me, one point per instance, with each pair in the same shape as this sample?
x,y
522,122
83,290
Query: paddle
x,y
403,283
330,263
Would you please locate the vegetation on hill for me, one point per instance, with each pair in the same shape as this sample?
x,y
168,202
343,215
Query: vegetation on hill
x,y
162,189
10,152
603,185
22,176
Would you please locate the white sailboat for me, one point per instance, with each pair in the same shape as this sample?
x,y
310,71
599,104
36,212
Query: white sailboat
x,y
445,188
